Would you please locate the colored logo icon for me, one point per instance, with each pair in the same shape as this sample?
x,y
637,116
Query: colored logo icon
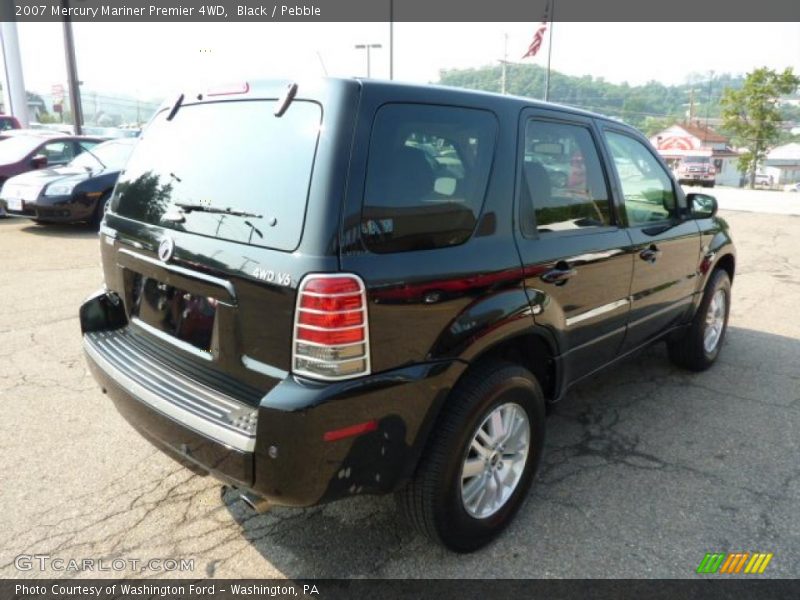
x,y
734,563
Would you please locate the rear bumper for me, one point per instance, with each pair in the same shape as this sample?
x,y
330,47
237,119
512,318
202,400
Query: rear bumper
x,y
226,463
287,459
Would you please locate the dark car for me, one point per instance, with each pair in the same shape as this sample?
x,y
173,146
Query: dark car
x,y
25,152
78,191
300,301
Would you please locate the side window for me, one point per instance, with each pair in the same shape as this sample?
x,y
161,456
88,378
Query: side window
x,y
58,152
649,195
563,186
427,173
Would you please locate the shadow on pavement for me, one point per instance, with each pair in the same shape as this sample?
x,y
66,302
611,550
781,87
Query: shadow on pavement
x,y
614,445
67,230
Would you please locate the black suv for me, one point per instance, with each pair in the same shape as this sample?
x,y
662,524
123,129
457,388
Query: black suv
x,y
345,287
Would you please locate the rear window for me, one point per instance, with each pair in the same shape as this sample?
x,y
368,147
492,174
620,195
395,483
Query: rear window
x,y
427,173
227,156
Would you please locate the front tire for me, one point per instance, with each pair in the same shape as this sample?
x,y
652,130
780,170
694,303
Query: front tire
x,y
698,348
480,460
99,211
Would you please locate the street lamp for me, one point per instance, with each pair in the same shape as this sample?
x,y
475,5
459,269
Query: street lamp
x,y
367,47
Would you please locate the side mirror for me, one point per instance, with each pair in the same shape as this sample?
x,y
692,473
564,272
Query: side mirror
x,y
702,206
39,161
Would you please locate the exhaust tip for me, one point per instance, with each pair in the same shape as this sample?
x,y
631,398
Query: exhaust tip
x,y
257,503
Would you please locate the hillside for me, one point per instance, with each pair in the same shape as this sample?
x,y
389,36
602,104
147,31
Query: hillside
x,y
648,107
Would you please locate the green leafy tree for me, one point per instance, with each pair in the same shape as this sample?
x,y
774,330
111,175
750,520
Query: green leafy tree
x,y
752,114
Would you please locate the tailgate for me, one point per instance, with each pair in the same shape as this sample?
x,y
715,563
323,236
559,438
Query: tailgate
x,y
233,314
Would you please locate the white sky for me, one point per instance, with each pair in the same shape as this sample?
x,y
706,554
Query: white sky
x,y
153,60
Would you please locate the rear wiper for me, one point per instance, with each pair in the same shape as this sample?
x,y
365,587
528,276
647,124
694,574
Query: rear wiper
x,y
190,207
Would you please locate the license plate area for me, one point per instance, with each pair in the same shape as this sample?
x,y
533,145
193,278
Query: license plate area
x,y
176,312
14,203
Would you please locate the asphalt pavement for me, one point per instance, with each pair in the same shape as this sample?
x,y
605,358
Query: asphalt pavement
x,y
647,467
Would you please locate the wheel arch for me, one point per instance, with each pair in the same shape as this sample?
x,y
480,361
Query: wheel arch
x,y
532,347
727,262
535,349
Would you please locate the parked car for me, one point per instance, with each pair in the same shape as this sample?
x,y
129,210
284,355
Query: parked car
x,y
322,317
22,153
792,187
8,122
78,191
696,170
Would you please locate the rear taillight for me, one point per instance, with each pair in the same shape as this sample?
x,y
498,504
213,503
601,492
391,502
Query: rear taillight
x,y
331,329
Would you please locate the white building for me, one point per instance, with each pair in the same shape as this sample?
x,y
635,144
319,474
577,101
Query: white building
x,y
694,139
783,164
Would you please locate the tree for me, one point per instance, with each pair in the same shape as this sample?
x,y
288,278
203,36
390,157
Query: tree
x,y
752,115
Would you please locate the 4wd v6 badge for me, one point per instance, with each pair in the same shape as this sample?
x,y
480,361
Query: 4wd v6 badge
x,y
272,277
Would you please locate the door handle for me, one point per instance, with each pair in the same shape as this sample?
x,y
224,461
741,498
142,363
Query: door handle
x,y
559,275
650,254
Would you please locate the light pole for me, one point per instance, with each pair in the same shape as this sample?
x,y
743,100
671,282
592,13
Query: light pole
x,y
367,47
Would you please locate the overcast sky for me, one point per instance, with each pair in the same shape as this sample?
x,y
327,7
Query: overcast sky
x,y
153,60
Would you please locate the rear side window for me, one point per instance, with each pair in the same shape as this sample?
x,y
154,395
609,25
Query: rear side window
x,y
563,186
427,173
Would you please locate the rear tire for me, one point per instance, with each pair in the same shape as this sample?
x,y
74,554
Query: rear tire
x,y
446,500
698,348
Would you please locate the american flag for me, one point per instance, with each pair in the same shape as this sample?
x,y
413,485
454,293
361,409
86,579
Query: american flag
x,y
538,37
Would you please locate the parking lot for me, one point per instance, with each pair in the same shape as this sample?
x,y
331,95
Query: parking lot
x,y
647,468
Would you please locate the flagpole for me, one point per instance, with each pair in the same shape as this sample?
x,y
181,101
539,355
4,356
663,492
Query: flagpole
x,y
549,51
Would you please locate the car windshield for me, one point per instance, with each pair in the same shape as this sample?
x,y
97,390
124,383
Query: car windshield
x,y
17,147
112,155
185,173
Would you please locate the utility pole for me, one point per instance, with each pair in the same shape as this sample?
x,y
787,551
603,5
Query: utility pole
x,y
504,64
367,47
72,72
708,102
16,100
